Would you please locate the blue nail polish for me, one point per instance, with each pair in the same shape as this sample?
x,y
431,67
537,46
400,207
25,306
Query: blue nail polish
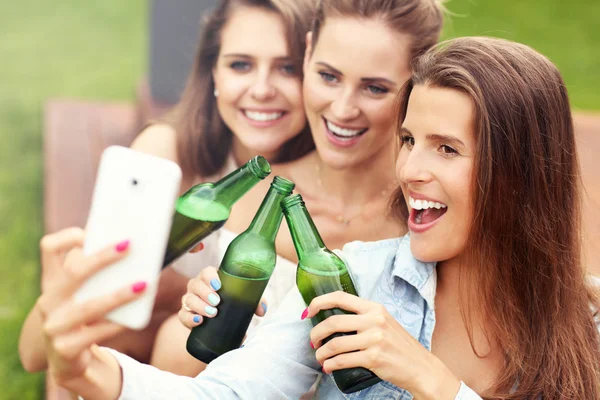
x,y
213,299
264,306
210,310
215,283
196,318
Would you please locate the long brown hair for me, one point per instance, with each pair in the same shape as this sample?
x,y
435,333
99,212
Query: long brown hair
x,y
524,249
421,19
203,139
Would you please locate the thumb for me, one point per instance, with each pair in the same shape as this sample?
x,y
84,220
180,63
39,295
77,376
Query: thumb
x,y
261,309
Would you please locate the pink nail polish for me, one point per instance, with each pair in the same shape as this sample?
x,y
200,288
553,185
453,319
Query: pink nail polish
x,y
304,314
121,247
312,346
138,287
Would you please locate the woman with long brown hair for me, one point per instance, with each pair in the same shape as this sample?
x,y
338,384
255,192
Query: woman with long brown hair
x,y
243,97
485,297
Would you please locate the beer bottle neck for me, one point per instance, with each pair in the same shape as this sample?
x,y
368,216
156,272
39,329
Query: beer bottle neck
x,y
233,186
304,233
268,218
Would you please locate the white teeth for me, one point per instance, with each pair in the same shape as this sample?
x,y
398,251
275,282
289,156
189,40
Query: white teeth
x,y
343,131
259,116
424,204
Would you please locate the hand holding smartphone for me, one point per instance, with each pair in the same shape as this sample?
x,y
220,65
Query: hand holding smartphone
x,y
134,199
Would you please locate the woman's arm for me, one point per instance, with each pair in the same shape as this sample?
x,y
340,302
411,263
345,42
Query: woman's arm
x,y
381,345
159,140
275,363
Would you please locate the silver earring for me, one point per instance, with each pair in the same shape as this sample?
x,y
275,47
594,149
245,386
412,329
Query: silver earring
x,y
216,93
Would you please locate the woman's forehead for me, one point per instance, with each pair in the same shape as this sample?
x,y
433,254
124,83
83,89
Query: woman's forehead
x,y
363,47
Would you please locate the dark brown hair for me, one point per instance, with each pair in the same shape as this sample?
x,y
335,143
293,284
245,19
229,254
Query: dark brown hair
x,y
421,19
203,139
524,248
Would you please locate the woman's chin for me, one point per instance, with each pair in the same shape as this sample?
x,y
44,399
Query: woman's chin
x,y
425,253
337,160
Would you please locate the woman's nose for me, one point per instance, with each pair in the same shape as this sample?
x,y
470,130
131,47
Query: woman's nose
x,y
262,89
412,166
344,108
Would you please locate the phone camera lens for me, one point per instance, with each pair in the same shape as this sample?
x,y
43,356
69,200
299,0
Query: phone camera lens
x,y
134,182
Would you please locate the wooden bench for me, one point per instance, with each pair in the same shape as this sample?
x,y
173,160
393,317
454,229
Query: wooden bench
x,y
76,133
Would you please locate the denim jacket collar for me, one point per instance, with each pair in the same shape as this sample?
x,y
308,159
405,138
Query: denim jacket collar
x,y
421,275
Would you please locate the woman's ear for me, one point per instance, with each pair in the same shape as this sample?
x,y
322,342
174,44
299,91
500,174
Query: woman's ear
x,y
307,52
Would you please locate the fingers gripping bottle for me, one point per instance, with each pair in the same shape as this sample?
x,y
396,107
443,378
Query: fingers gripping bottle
x,y
319,272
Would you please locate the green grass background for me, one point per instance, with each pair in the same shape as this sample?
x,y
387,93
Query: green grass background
x,y
87,49
97,50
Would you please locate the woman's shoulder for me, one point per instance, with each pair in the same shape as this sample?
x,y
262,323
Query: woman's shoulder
x,y
160,139
157,139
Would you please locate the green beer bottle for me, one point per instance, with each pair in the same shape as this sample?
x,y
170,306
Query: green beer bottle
x,y
244,273
205,207
320,271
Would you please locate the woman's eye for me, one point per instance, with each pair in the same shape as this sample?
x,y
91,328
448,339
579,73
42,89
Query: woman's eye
x,y
288,69
407,141
240,65
376,89
327,77
448,151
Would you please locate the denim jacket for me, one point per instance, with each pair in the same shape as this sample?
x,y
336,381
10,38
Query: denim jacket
x,y
276,362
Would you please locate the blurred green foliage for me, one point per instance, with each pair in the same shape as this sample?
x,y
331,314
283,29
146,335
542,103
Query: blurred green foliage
x,y
70,48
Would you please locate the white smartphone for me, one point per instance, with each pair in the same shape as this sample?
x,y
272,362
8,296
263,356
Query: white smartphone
x,y
134,199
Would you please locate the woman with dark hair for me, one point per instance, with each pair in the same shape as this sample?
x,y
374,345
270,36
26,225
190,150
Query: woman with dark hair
x,y
486,297
243,97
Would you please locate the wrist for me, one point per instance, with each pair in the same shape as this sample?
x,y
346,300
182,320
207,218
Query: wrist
x,y
102,378
440,384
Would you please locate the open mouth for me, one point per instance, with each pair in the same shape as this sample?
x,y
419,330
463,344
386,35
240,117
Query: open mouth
x,y
258,116
424,213
343,133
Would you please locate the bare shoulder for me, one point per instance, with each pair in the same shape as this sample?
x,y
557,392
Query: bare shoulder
x,y
159,140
